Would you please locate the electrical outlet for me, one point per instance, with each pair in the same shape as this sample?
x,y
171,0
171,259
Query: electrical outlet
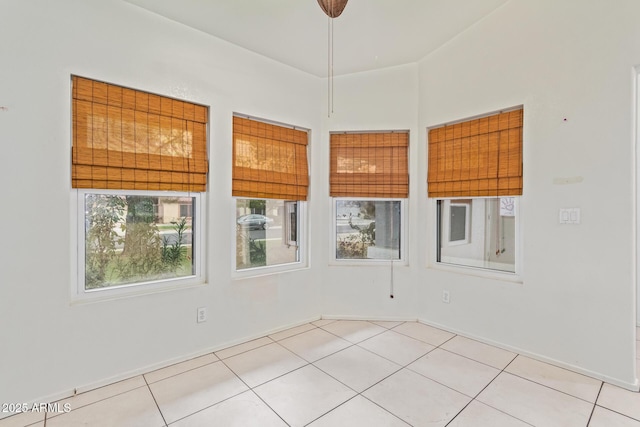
x,y
202,314
446,297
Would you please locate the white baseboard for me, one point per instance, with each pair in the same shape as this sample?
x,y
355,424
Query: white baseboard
x,y
369,318
634,386
155,366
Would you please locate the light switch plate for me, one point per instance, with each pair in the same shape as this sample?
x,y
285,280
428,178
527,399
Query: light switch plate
x,y
569,216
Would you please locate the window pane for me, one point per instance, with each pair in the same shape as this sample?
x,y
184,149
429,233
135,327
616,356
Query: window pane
x,y
135,239
367,229
266,233
458,223
478,233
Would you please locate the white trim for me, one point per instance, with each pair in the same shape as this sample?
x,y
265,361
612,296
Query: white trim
x,y
270,122
289,208
484,273
79,295
478,116
360,132
369,318
404,215
635,111
635,386
53,397
168,362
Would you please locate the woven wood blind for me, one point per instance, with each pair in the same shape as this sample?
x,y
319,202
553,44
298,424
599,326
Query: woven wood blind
x,y
125,139
481,157
369,165
269,161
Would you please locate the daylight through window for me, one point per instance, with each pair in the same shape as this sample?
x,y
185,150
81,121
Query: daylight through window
x,y
475,173
139,164
480,232
137,239
368,229
266,233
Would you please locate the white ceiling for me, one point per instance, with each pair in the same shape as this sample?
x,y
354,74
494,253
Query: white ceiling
x,y
369,34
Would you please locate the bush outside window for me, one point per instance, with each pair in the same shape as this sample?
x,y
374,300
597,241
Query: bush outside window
x,y
137,238
368,229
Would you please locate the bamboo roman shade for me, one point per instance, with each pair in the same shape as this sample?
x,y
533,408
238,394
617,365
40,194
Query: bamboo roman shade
x,y
481,157
125,139
269,161
369,165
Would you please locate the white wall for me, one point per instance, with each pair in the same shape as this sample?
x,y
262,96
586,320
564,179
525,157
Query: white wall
x,y
575,305
378,100
49,346
568,60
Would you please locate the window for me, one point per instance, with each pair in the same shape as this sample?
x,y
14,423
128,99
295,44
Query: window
x,y
139,163
368,229
270,183
186,210
369,180
264,233
485,239
125,242
459,222
475,173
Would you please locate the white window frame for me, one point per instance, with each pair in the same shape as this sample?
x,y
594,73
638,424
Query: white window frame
x,y
404,258
301,245
78,291
289,207
508,276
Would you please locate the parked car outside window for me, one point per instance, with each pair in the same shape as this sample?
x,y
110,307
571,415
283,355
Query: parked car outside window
x,y
254,221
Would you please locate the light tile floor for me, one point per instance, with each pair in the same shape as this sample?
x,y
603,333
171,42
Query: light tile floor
x,y
353,373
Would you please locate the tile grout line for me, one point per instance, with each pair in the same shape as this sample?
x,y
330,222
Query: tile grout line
x,y
154,400
332,409
251,389
551,388
99,400
406,366
243,352
279,376
619,413
401,367
594,403
179,373
290,336
335,379
358,393
475,398
350,345
226,398
269,406
474,360
350,342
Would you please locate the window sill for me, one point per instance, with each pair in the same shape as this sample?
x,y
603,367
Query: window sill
x,y
102,295
478,272
250,273
367,263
